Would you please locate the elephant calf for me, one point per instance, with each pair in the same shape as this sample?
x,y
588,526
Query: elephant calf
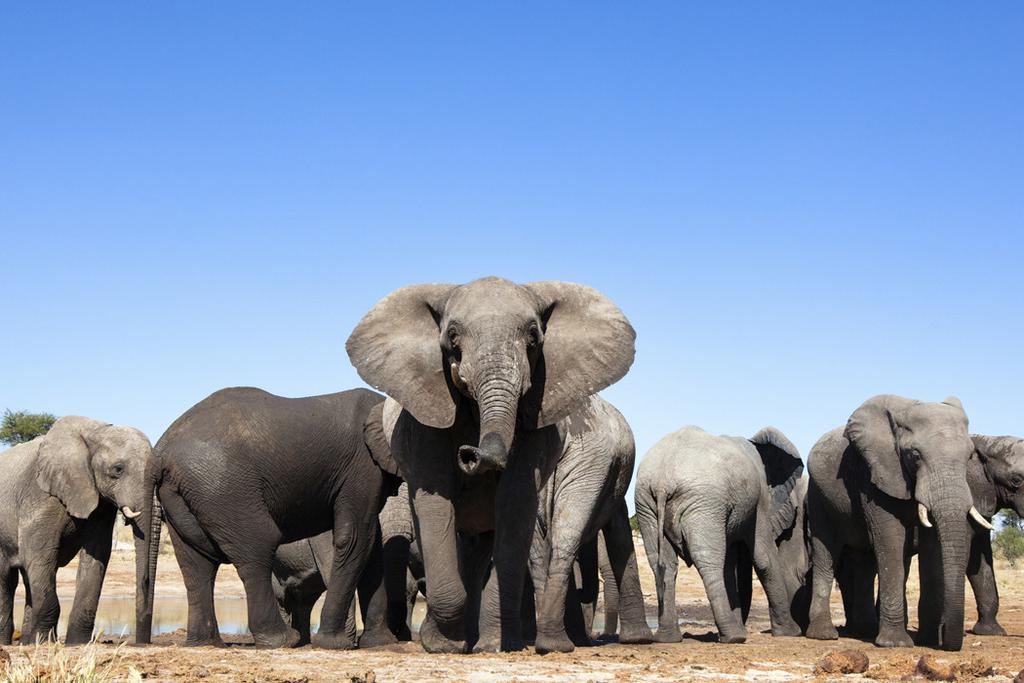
x,y
720,503
60,494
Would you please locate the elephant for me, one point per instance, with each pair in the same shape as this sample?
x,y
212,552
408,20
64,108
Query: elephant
x,y
722,524
243,472
491,378
302,569
897,464
995,474
61,493
588,570
585,495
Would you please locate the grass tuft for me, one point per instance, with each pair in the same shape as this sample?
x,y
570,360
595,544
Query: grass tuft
x,y
55,663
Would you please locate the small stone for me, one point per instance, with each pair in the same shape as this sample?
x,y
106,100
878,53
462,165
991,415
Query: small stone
x,y
5,659
934,670
1020,677
843,662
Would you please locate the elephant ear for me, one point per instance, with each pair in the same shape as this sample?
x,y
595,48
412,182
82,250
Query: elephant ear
x,y
396,348
983,490
588,345
63,467
783,468
376,442
872,430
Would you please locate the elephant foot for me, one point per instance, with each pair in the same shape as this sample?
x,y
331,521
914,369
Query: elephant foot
x,y
553,642
433,640
986,627
204,641
822,630
337,640
732,637
486,643
378,637
786,628
894,637
78,637
640,634
668,635
289,637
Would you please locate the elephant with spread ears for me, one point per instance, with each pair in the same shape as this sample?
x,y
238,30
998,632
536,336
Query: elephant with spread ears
x,y
896,472
60,494
488,376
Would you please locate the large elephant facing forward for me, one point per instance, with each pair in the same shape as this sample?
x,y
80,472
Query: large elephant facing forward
x,y
898,463
60,494
720,503
485,373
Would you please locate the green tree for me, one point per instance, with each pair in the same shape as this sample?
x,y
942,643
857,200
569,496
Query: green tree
x,y
21,426
1009,540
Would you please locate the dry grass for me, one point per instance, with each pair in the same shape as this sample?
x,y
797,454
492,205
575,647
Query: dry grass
x,y
55,663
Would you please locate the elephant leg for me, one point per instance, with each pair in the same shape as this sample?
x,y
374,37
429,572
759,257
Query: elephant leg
x,y
611,589
42,580
301,610
824,553
8,586
576,626
769,573
475,559
893,554
373,599
585,575
265,622
354,536
26,616
983,583
744,579
704,535
397,586
515,519
622,558
731,576
856,579
529,612
412,589
665,562
199,573
92,567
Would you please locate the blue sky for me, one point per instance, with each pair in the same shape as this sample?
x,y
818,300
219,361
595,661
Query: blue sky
x,y
798,205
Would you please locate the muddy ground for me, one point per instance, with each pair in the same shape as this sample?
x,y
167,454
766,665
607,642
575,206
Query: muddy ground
x,y
698,657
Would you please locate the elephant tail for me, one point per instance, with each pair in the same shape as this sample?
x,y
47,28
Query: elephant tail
x,y
147,550
660,503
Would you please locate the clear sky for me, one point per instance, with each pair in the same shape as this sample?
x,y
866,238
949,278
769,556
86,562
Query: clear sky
x,y
798,205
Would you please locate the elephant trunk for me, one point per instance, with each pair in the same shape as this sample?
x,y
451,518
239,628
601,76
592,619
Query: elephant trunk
x,y
497,395
952,535
147,550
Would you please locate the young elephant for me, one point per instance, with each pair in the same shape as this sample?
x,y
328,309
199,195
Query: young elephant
x,y
688,507
243,472
996,476
60,494
302,571
584,495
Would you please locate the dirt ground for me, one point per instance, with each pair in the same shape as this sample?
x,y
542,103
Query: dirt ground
x,y
698,657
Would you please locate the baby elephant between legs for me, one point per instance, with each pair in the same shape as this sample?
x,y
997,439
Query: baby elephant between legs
x,y
722,524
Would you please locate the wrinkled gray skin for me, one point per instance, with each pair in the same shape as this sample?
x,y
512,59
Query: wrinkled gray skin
x,y
795,555
302,569
243,472
867,482
687,507
995,474
584,495
60,494
487,374
589,589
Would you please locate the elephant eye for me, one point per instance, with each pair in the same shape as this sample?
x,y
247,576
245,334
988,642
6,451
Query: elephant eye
x,y
532,336
453,337
1016,481
117,470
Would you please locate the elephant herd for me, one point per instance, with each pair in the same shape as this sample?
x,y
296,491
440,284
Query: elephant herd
x,y
489,477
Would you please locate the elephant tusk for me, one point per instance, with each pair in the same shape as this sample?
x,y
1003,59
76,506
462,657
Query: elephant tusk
x,y
922,515
976,516
456,379
127,512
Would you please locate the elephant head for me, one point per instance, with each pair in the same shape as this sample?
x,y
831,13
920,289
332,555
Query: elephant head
x,y
916,451
82,461
1002,481
524,355
783,469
